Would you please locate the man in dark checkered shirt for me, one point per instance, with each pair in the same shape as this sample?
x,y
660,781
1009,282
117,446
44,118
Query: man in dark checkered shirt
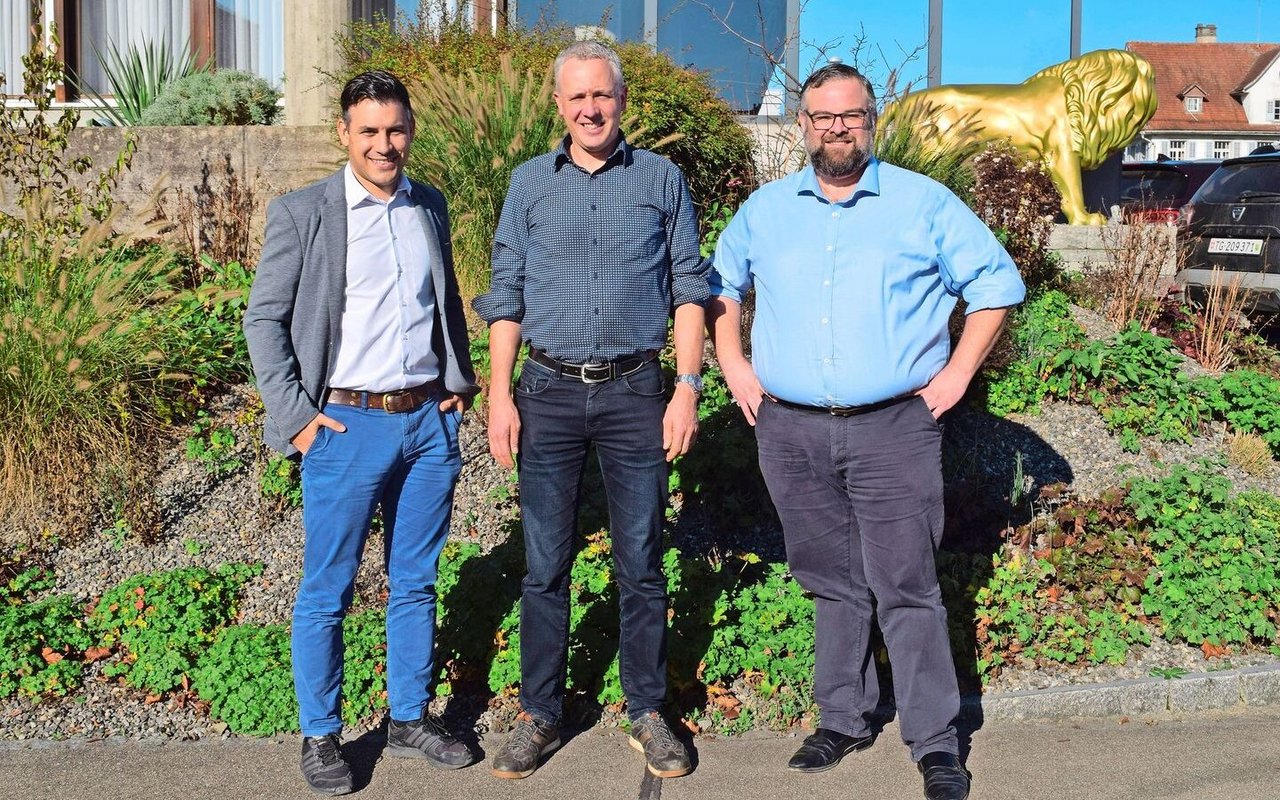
x,y
597,244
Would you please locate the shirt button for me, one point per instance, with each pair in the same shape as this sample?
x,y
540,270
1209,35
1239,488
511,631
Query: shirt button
x,y
826,283
824,320
826,361
595,241
593,206
835,214
830,248
595,311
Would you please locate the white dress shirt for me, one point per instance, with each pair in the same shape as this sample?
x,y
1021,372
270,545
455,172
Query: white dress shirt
x,y
389,309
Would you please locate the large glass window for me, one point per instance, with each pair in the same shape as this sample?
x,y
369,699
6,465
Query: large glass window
x,y
124,23
15,38
249,35
1177,148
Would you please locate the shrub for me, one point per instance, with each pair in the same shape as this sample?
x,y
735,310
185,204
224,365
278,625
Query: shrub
x,y
83,378
1016,198
225,97
60,196
1125,286
1217,559
162,622
42,641
910,142
247,677
473,129
138,76
204,337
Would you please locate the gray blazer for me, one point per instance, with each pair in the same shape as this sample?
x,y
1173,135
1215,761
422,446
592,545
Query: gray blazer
x,y
294,316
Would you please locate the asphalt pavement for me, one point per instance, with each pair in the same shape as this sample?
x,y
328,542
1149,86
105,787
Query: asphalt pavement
x,y
1223,754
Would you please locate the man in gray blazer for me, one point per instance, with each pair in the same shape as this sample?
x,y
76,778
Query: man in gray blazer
x,y
359,347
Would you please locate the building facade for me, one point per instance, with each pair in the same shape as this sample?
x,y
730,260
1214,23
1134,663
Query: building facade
x,y
1217,99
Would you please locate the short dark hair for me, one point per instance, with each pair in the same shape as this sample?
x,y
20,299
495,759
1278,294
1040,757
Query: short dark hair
x,y
836,71
377,85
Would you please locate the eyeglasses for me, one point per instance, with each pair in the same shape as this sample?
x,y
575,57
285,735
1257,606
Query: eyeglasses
x,y
853,120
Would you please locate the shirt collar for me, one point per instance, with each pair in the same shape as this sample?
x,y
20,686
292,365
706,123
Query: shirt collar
x,y
868,184
622,153
357,194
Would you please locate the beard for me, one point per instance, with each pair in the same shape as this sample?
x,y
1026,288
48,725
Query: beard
x,y
830,165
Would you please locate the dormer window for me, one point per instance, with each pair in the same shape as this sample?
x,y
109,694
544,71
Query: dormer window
x,y
1194,105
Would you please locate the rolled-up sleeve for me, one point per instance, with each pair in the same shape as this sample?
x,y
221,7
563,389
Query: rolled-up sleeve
x,y
731,269
973,265
689,270
505,298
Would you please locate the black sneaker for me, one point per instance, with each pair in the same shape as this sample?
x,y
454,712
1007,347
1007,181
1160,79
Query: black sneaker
x,y
323,766
428,738
530,740
663,753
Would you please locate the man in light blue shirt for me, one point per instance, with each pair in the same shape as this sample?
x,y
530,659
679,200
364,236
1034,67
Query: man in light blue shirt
x,y
857,266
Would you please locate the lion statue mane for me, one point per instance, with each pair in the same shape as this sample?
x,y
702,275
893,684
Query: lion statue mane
x,y
1071,115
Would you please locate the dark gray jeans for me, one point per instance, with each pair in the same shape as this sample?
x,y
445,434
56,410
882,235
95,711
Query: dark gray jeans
x,y
860,500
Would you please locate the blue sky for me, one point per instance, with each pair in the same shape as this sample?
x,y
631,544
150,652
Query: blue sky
x,y
1005,41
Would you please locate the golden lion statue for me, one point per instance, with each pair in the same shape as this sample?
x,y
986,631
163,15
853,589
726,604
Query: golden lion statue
x,y
1071,116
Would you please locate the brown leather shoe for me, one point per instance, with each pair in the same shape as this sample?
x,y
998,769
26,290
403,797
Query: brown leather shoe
x,y
663,753
530,740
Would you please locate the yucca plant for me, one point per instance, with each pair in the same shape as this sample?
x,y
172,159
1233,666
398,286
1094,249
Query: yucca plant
x,y
138,76
82,371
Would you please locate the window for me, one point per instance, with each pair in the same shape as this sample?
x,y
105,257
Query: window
x,y
15,19
235,34
1221,149
1193,104
1273,110
1177,148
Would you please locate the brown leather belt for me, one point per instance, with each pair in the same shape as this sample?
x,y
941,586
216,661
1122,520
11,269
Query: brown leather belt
x,y
593,372
843,411
397,402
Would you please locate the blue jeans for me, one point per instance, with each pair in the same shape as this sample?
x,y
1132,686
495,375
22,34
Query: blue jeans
x,y
560,418
860,499
408,463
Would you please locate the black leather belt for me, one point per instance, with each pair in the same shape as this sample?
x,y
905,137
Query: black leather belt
x,y
843,411
593,372
398,402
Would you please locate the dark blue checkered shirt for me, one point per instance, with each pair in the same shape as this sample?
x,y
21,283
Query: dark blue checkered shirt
x,y
591,266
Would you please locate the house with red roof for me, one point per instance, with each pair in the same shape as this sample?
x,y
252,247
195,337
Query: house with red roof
x,y
1217,99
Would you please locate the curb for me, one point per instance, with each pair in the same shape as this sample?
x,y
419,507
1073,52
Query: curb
x,y
1199,691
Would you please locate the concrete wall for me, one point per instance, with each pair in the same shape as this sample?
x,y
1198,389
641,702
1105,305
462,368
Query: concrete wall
x,y
275,159
1080,245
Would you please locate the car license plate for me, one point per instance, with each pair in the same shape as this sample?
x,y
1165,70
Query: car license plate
x,y
1247,247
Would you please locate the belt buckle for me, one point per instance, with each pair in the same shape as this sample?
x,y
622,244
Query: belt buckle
x,y
596,366
390,399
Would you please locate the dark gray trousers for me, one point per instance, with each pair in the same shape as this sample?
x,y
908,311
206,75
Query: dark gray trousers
x,y
860,500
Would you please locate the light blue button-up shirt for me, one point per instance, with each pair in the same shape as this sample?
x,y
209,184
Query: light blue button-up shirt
x,y
853,298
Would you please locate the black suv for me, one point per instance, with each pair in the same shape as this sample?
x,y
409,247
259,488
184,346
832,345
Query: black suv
x,y
1233,223
1153,191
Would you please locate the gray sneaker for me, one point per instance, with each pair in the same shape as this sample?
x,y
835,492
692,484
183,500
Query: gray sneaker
x,y
663,753
530,740
323,766
429,739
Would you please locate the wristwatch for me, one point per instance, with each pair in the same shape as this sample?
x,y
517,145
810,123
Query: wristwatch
x,y
694,382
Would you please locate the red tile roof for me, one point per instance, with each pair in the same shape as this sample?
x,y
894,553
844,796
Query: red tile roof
x,y
1218,68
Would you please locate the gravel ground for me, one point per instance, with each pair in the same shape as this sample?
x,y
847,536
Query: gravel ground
x,y
209,521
